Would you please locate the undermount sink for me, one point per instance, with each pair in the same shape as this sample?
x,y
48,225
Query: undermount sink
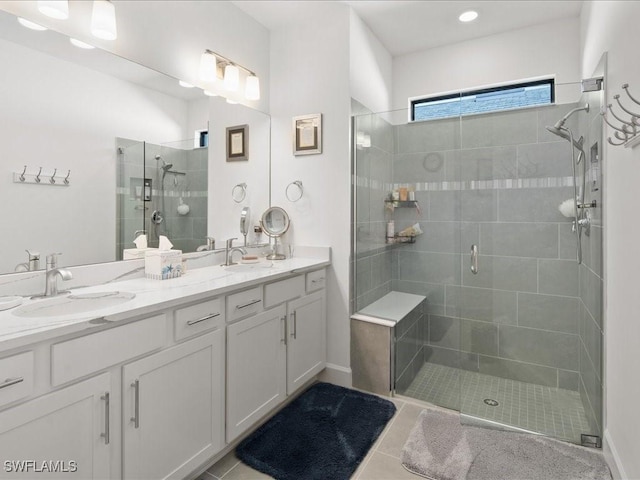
x,y
248,267
73,304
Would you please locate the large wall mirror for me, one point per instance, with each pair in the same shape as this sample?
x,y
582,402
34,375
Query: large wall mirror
x,y
130,138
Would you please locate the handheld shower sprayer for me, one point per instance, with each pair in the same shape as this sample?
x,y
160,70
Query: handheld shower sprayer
x,y
561,131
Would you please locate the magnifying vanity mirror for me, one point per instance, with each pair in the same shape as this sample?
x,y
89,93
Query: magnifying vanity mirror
x,y
275,223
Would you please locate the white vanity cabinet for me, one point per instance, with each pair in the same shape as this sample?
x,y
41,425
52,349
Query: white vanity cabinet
x,y
173,409
272,354
64,434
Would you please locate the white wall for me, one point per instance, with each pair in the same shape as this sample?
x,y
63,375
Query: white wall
x,y
56,114
171,36
309,65
551,48
371,67
608,26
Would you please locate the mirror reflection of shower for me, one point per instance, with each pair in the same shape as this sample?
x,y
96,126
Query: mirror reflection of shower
x,y
575,207
157,217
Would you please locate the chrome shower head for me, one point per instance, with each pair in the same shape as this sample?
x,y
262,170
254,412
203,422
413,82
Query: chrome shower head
x,y
165,166
560,123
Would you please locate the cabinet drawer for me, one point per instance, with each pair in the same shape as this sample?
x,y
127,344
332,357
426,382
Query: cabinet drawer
x,y
243,304
316,280
84,355
198,318
16,377
279,292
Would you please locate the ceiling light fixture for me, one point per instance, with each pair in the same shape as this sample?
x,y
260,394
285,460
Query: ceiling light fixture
x,y
468,16
214,66
103,20
58,9
33,26
184,84
79,44
209,93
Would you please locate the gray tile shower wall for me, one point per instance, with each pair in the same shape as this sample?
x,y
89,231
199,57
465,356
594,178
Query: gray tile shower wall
x,y
495,180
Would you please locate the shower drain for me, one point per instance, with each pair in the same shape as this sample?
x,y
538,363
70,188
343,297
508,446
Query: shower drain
x,y
491,402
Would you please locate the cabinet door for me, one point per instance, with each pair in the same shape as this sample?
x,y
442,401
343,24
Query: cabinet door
x,y
307,342
173,409
256,364
64,434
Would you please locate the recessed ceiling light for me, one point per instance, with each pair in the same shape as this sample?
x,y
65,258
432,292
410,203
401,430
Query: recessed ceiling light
x,y
79,44
185,84
468,16
33,26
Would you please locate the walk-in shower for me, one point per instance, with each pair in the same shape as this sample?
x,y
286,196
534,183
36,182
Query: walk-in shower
x,y
514,338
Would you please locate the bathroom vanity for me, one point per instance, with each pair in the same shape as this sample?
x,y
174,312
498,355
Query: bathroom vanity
x,y
162,384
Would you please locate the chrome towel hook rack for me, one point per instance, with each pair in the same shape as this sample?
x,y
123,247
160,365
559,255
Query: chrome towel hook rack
x,y
627,133
55,180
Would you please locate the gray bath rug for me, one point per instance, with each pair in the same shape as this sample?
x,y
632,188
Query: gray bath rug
x,y
440,448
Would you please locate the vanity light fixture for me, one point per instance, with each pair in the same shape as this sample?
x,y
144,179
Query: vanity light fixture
x,y
209,93
103,20
468,16
184,84
58,9
231,102
79,44
231,78
214,66
33,26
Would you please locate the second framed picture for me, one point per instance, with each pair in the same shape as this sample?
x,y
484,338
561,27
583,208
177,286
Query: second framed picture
x,y
237,143
307,134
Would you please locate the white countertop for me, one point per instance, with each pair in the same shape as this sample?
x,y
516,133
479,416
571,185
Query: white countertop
x,y
151,296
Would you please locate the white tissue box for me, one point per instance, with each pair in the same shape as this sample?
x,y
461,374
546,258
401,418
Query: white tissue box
x,y
162,264
135,253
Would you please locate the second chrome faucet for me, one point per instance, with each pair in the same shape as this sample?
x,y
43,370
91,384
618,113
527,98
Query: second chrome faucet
x,y
230,250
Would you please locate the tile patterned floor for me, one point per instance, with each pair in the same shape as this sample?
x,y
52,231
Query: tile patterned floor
x,y
381,463
552,411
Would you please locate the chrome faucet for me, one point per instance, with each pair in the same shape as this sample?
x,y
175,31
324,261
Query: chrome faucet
x,y
51,279
210,245
230,250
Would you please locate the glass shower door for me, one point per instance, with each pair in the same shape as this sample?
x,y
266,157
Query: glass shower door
x,y
519,306
131,193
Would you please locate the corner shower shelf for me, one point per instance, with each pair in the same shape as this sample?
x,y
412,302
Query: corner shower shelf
x,y
400,239
401,204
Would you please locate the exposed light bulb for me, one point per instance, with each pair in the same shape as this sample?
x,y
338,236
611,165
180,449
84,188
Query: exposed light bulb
x,y
231,78
33,26
468,16
54,8
252,88
79,44
103,20
184,84
208,67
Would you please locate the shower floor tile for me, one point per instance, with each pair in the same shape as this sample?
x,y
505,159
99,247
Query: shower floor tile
x,y
551,411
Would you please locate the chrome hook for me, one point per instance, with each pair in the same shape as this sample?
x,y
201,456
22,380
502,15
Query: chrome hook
x,y
625,87
38,176
617,99
52,180
22,177
66,179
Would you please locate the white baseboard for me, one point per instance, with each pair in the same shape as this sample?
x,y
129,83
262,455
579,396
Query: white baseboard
x,y
612,459
337,375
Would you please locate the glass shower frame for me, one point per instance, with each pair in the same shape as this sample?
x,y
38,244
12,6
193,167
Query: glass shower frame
x,y
469,316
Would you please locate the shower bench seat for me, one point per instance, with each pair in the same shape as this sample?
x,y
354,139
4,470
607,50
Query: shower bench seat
x,y
387,342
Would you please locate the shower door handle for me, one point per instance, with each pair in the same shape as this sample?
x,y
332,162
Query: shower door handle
x,y
474,259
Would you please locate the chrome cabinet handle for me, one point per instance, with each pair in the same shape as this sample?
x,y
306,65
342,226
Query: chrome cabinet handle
x,y
319,280
107,433
283,329
474,259
11,381
295,325
252,302
136,406
206,317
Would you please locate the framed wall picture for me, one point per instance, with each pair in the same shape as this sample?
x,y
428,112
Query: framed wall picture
x,y
237,143
307,134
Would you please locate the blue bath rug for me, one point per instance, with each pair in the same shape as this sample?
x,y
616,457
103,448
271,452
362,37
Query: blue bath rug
x,y
323,434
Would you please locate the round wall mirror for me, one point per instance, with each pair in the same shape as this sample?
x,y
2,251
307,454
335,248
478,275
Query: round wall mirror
x,y
275,223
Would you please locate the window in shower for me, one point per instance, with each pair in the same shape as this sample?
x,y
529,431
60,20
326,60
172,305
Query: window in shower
x,y
504,97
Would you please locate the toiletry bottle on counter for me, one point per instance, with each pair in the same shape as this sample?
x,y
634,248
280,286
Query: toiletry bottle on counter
x,y
391,229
